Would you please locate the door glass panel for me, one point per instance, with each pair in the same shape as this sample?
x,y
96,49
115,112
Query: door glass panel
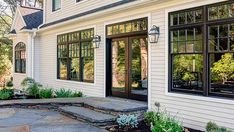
x,y
139,66
118,66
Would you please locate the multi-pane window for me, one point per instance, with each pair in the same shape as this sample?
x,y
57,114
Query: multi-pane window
x,y
20,58
56,5
202,50
139,25
76,56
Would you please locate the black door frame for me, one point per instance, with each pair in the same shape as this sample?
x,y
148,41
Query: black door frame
x,y
128,93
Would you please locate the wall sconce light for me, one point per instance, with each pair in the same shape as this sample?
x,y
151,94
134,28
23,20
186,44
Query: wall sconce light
x,y
154,34
96,41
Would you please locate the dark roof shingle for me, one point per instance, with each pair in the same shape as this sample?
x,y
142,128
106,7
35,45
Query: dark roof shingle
x,y
33,17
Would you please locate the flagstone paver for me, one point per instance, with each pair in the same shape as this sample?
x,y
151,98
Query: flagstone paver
x,y
32,120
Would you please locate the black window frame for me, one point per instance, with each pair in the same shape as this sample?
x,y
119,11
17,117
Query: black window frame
x,y
79,42
20,56
77,1
53,6
205,24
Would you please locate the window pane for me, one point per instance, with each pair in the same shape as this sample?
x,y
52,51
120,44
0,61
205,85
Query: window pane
x,y
23,66
190,17
56,5
63,68
223,11
88,73
198,15
174,19
222,73
75,69
213,13
17,66
121,28
128,27
188,72
182,18
109,30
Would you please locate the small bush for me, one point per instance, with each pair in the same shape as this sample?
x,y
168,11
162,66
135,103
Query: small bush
x,y
150,117
33,90
166,123
9,84
46,93
63,93
127,122
6,94
27,81
213,127
78,94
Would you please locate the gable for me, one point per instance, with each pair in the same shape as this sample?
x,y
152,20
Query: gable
x,y
18,22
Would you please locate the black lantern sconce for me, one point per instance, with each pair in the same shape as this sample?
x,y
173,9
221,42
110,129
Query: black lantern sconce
x,y
154,34
96,41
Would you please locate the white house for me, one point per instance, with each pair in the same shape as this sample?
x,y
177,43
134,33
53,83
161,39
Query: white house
x,y
187,68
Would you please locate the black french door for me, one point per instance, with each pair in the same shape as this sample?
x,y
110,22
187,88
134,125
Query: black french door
x,y
129,67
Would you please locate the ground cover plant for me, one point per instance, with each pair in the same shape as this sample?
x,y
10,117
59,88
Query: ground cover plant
x,y
213,127
6,94
46,93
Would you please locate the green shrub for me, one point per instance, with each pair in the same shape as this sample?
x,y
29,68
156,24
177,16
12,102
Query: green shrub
x,y
46,93
9,84
33,90
27,81
162,122
213,127
78,94
167,123
150,117
6,94
63,93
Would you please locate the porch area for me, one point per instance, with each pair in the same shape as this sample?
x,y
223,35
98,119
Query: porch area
x,y
99,112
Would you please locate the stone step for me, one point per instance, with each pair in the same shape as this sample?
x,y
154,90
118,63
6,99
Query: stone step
x,y
88,115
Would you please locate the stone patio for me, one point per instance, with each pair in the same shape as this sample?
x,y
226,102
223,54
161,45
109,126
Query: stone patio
x,y
31,120
46,113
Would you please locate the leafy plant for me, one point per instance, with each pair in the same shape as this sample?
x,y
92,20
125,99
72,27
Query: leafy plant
x,y
28,81
78,94
127,122
166,123
150,117
213,127
46,93
9,84
33,90
6,94
63,93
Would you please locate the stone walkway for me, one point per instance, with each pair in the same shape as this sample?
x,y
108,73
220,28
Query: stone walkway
x,y
31,120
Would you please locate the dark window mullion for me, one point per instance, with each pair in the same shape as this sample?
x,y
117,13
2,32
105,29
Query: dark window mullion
x,y
205,54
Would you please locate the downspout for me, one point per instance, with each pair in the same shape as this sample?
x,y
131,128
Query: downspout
x,y
34,33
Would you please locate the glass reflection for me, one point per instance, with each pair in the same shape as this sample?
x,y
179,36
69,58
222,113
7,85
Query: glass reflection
x,y
139,66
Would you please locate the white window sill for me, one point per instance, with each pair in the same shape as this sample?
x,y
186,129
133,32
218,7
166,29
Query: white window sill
x,y
200,98
21,74
75,82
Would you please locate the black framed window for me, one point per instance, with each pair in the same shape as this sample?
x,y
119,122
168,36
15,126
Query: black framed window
x,y
76,56
56,5
20,58
78,1
201,52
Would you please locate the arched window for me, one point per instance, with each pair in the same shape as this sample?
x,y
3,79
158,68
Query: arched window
x,y
20,58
